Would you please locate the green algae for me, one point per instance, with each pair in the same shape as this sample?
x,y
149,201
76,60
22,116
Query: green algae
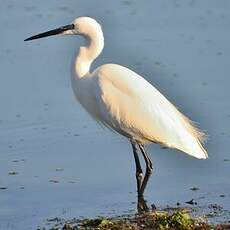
x,y
176,219
170,218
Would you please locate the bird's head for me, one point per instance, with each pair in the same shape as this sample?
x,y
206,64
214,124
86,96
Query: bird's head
x,y
85,26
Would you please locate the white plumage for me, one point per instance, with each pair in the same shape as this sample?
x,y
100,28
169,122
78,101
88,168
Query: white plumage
x,y
125,102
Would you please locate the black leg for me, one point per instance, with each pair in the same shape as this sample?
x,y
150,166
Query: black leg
x,y
149,169
139,173
142,206
141,203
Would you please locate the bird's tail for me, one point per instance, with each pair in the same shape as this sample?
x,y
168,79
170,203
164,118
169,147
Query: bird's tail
x,y
196,138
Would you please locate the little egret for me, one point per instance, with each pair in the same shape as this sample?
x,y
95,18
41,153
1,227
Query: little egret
x,y
125,102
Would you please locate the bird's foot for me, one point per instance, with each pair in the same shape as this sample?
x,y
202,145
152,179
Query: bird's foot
x,y
142,206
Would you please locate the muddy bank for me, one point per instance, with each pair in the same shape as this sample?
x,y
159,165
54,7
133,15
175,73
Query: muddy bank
x,y
169,218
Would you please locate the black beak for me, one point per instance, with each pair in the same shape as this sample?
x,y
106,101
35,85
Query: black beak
x,y
51,32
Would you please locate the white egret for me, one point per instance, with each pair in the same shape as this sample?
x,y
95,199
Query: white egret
x,y
125,102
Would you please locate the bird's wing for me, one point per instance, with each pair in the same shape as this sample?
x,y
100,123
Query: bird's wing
x,y
133,107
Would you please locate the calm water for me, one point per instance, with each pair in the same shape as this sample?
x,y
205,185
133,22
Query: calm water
x,y
68,166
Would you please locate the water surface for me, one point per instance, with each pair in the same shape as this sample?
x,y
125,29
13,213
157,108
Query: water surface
x,y
65,165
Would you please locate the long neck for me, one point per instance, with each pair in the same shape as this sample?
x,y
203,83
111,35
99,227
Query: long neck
x,y
87,54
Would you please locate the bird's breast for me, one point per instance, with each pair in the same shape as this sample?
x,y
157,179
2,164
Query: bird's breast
x,y
83,91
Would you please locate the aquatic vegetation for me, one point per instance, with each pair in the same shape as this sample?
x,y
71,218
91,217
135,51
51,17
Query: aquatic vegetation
x,y
12,173
178,219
